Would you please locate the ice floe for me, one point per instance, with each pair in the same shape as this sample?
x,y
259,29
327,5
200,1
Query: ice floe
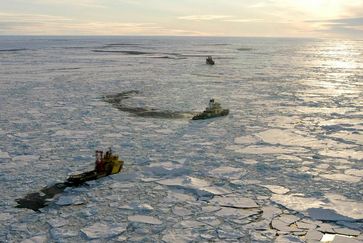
x,y
70,200
144,219
25,158
287,137
341,177
63,233
333,208
247,140
346,154
255,149
296,202
5,216
234,201
36,239
181,211
103,231
354,172
4,155
277,189
227,172
237,213
194,185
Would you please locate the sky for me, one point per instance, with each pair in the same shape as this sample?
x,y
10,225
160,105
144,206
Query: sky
x,y
265,18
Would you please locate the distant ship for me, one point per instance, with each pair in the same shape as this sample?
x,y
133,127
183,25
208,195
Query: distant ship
x,y
213,110
209,60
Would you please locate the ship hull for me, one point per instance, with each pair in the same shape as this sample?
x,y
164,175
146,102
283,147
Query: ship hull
x,y
208,115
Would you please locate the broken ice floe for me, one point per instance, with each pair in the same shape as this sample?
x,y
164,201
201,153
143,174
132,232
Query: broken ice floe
x,y
4,155
227,172
36,239
235,212
57,222
143,207
277,189
354,172
5,216
333,208
103,231
194,185
256,149
346,153
70,200
247,140
62,233
144,219
181,211
341,177
234,201
179,235
25,158
287,137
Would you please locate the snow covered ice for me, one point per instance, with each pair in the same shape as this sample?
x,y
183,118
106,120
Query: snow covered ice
x,y
285,165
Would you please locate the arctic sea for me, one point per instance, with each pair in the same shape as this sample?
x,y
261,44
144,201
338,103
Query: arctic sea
x,y
285,165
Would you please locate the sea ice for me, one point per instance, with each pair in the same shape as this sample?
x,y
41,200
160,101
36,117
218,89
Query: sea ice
x,y
354,172
103,231
187,181
191,224
247,140
277,189
4,155
180,235
137,207
344,239
227,172
296,201
287,137
341,177
348,232
279,225
345,206
288,239
270,212
181,211
235,212
194,185
289,157
327,238
57,222
215,190
26,158
36,239
254,149
235,202
345,154
5,216
179,196
313,235
58,234
144,219
70,200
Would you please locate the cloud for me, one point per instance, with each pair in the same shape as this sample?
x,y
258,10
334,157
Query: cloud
x,y
29,24
243,20
23,17
204,17
352,27
79,3
224,18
